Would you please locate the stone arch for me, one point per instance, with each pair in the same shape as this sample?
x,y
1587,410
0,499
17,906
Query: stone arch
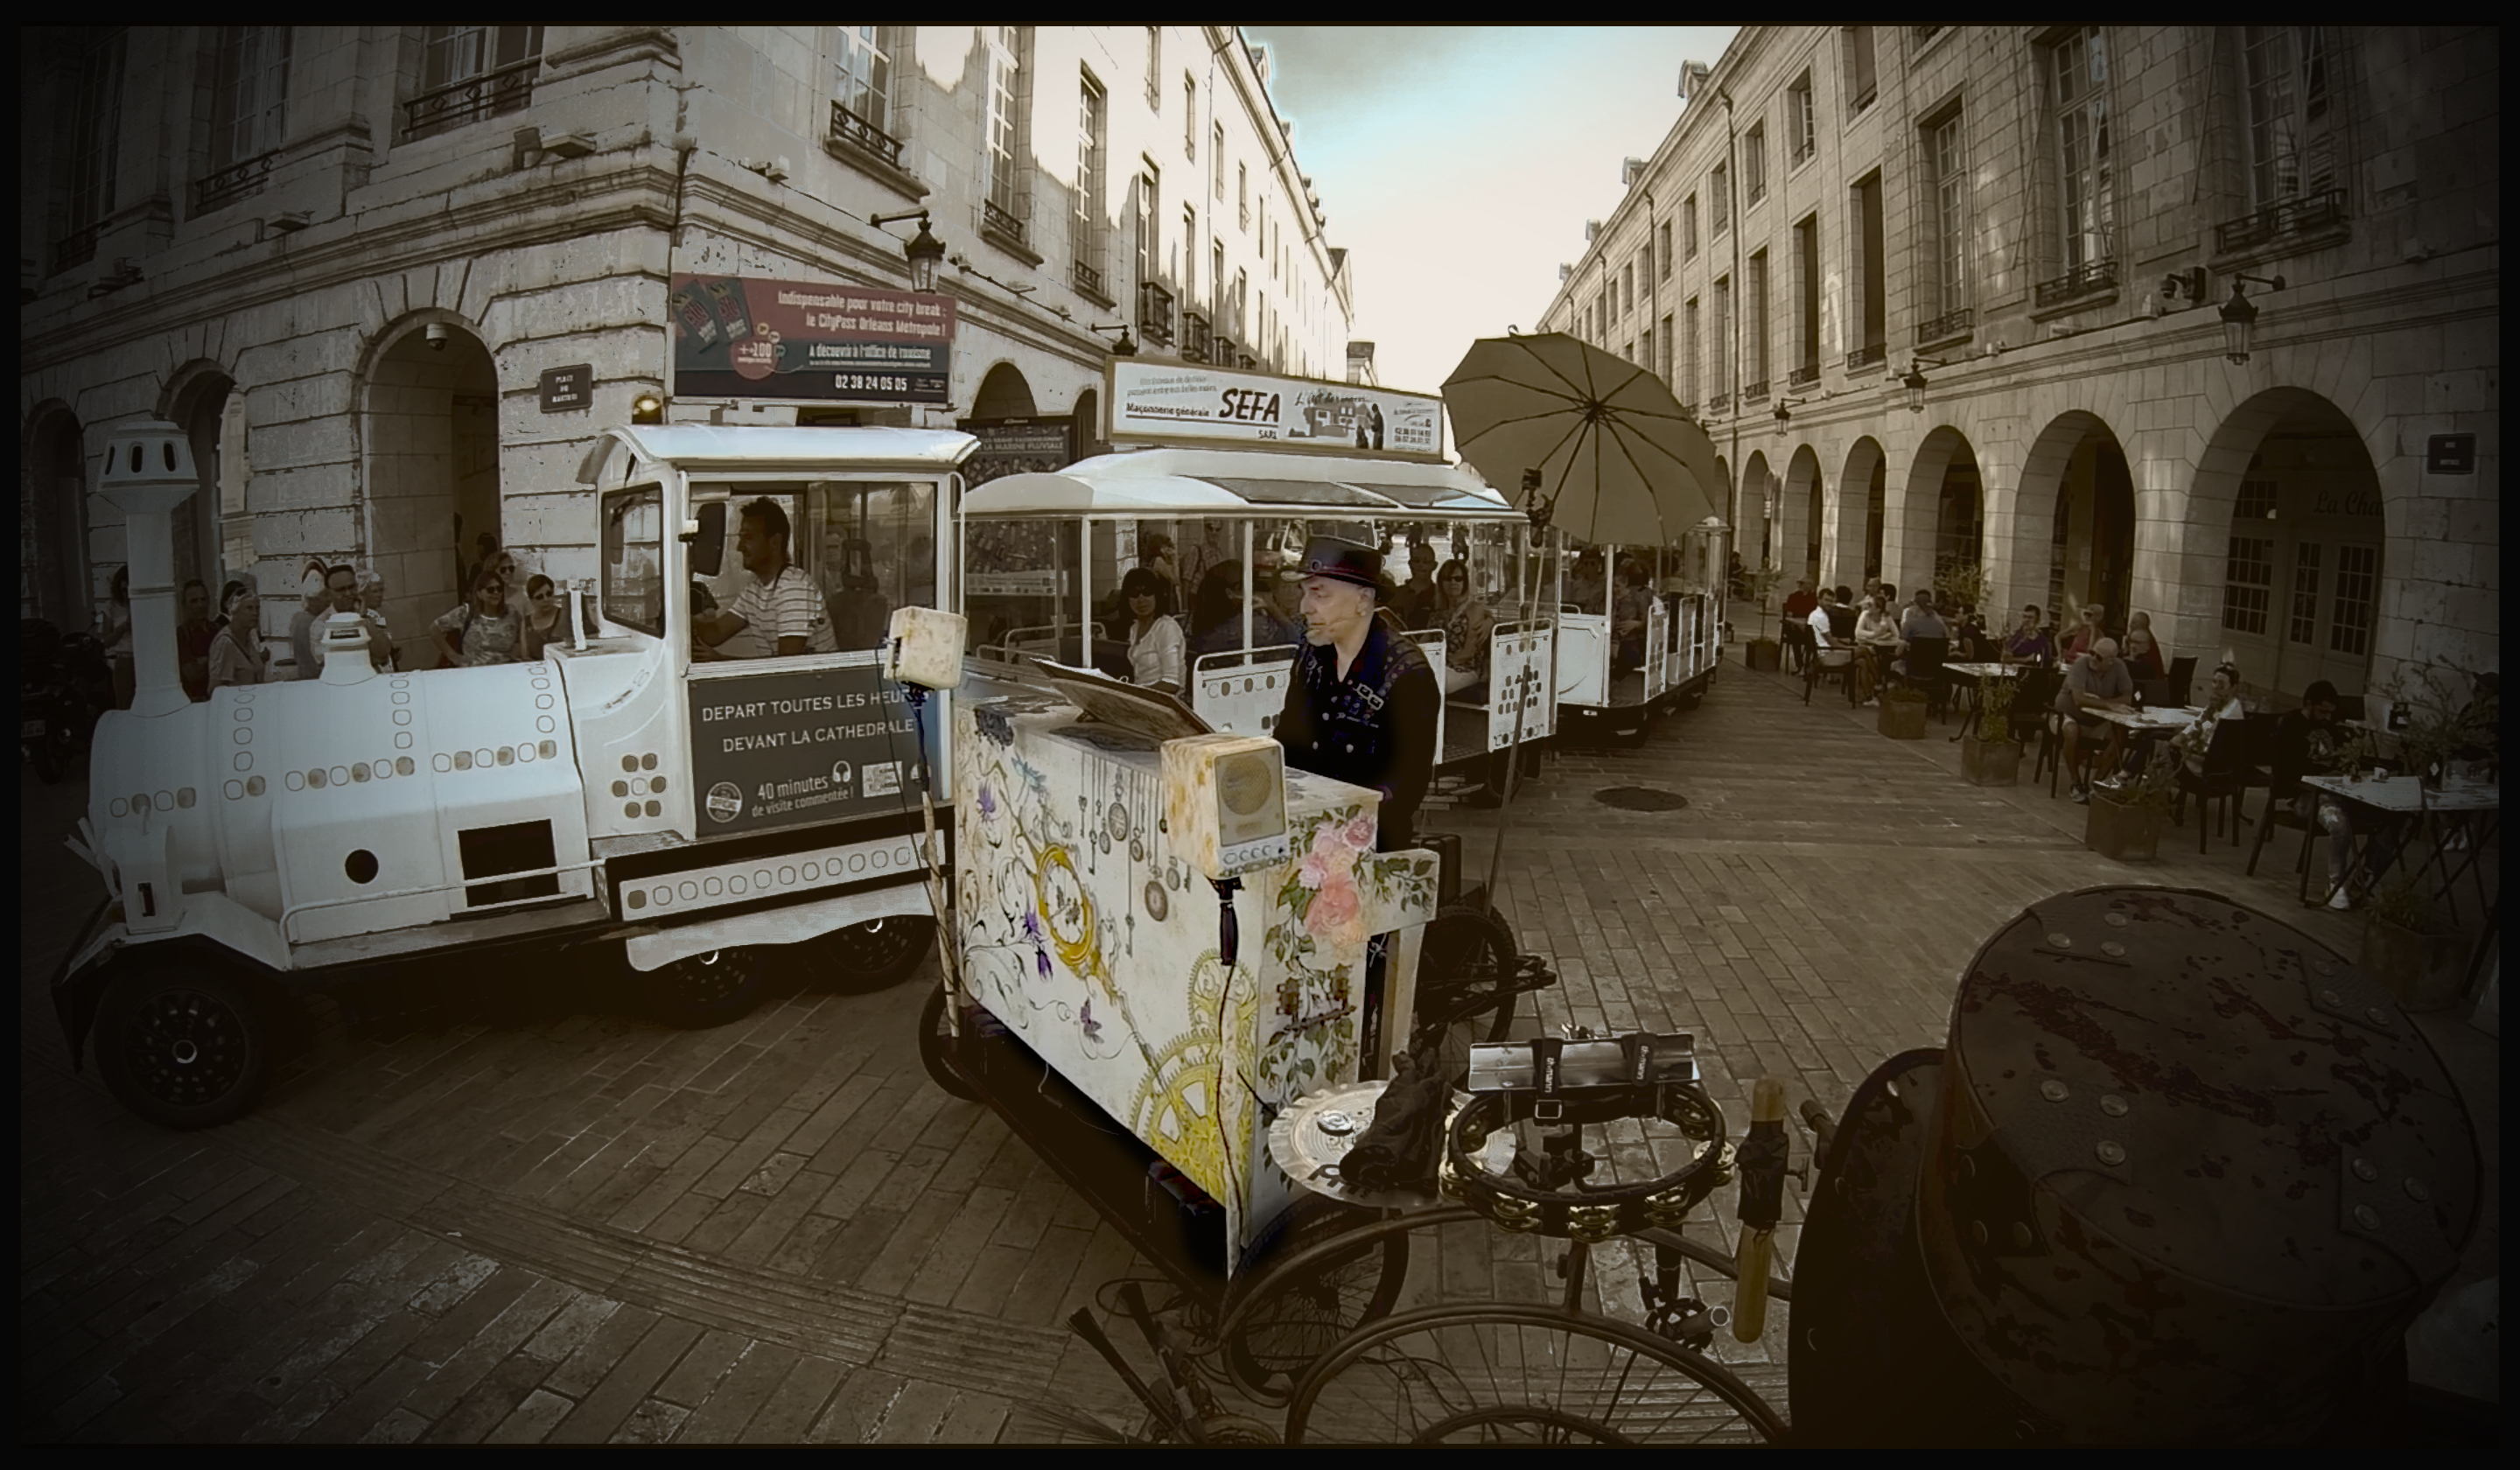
x,y
427,447
2301,456
2077,469
1757,533
1088,414
1862,502
1945,466
55,575
198,399
1805,519
1003,394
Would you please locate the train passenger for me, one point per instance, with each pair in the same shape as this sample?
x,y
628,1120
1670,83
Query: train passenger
x,y
239,655
1155,642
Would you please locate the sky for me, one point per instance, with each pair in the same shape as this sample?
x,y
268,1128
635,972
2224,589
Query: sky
x,y
1458,164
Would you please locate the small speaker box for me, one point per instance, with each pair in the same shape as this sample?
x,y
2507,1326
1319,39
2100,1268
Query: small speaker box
x,y
925,648
1225,802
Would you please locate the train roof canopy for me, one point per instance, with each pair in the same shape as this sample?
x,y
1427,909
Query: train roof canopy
x,y
1224,482
700,448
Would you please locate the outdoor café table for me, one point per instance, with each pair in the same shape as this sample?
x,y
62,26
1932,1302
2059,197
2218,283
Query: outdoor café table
x,y
2149,725
2471,806
1973,672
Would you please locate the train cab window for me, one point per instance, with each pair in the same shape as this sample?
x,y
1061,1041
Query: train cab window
x,y
633,559
830,558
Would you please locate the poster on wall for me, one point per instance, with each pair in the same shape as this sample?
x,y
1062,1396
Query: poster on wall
x,y
743,336
1017,446
1186,403
773,750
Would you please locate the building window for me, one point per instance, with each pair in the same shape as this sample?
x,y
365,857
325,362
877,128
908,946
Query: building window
x,y
1627,289
1242,307
1754,164
1720,190
1190,256
1871,277
1242,194
1150,229
1720,342
1085,223
1799,128
1858,66
1190,120
1807,302
1951,214
1155,69
1662,247
2079,67
1216,283
2292,143
2357,585
1662,360
1005,206
2303,626
1754,337
249,113
1689,227
2248,582
862,76
1689,353
2257,501
1216,159
468,72
86,169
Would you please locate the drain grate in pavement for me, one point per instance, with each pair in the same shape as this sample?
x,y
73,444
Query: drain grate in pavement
x,y
1640,798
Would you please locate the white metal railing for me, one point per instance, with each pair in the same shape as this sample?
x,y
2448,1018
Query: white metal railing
x,y
291,913
1241,690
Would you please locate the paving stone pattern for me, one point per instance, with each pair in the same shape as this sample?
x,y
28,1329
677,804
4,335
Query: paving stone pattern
x,y
506,1209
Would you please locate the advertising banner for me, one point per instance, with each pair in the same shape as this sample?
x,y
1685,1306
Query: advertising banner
x,y
1185,403
1017,446
771,750
738,336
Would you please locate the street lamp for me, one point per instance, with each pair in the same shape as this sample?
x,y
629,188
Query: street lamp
x,y
1125,346
923,249
2240,314
1913,381
1784,419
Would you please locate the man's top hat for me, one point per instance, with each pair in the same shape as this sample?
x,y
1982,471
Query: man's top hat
x,y
1342,562
2181,1175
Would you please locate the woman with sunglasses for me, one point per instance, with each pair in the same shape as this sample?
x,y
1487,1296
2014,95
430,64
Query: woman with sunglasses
x,y
1466,624
1155,642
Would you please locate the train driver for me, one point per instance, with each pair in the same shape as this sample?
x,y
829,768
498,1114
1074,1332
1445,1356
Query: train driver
x,y
780,604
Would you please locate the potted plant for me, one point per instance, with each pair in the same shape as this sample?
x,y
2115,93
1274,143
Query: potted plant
x,y
1961,586
2407,947
1765,652
2429,724
1987,755
2125,821
1902,713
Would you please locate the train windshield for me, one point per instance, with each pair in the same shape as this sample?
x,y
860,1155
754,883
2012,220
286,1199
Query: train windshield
x,y
634,560
862,546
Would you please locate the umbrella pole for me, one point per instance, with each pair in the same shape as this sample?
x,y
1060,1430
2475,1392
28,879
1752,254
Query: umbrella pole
x,y
1530,590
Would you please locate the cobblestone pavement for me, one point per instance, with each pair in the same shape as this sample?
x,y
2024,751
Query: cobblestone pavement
x,y
505,1207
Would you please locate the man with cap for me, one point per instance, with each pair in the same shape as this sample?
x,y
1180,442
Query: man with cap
x,y
1360,706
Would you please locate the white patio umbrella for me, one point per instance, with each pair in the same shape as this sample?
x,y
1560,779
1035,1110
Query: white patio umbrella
x,y
1618,461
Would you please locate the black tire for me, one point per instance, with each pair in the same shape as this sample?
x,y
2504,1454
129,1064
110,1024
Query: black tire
x,y
183,1041
933,1039
873,956
705,990
1316,1291
1474,1373
1464,966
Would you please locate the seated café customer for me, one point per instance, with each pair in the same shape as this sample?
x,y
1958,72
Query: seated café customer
x,y
1841,615
2086,633
2029,643
2143,653
1876,634
1155,642
2308,741
2094,681
1923,621
1216,611
1629,608
2222,703
1798,610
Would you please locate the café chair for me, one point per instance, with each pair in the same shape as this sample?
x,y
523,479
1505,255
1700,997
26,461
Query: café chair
x,y
2225,778
1922,669
1836,663
2282,812
2034,718
2182,674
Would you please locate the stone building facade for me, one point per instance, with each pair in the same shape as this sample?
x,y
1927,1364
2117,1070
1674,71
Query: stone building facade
x,y
344,256
2016,216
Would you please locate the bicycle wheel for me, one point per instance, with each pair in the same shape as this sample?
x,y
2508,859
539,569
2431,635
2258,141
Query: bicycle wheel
x,y
1321,1287
1502,1373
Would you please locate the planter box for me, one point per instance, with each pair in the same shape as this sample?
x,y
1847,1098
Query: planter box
x,y
1764,655
2422,972
1989,765
1903,719
2116,829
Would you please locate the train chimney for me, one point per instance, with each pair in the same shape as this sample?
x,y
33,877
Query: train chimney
x,y
147,476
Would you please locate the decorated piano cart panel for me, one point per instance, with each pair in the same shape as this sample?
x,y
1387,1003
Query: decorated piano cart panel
x,y
1096,941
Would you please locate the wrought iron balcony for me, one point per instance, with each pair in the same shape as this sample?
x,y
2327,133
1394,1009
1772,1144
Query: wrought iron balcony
x,y
494,93
1087,278
996,216
1154,313
1718,402
2082,281
1803,377
850,129
1755,392
1869,355
1942,328
2302,214
1195,338
237,181
76,248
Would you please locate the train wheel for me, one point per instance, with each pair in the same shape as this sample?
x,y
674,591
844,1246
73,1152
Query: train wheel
x,y
700,991
873,956
183,1042
933,1039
